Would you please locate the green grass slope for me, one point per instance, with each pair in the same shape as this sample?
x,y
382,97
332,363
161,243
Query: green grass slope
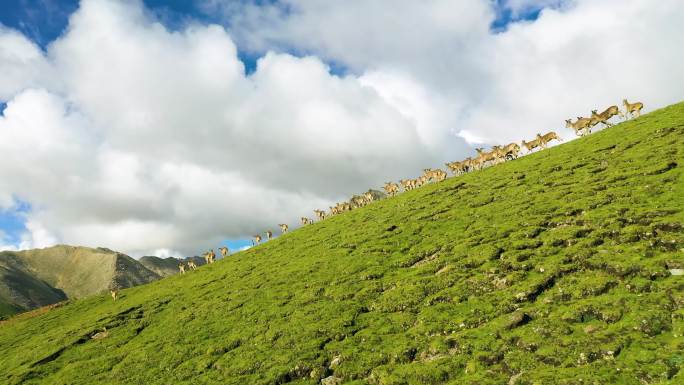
x,y
550,269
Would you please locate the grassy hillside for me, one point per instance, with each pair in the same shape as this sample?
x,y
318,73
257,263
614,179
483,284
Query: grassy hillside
x,y
550,269
33,278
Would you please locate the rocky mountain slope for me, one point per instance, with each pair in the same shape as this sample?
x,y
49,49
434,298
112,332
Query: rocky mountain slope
x,y
557,268
33,278
20,289
165,267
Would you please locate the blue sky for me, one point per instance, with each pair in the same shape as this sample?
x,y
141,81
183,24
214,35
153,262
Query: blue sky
x,y
40,20
505,16
12,222
43,21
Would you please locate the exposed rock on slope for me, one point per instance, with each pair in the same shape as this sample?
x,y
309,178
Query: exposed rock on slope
x,y
163,267
20,289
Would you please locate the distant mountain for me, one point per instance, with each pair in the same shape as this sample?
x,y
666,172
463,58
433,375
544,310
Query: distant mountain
x,y
34,278
20,289
165,267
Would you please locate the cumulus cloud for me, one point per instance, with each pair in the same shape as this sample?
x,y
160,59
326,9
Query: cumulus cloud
x,y
154,140
22,64
127,135
499,87
569,62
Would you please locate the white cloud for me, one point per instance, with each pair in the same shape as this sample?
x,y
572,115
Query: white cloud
x,y
499,87
572,61
36,236
166,253
22,64
362,33
156,140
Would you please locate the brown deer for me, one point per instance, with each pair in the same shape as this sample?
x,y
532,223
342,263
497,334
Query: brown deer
x,y
485,157
407,184
468,164
604,116
428,175
509,151
581,126
532,144
546,138
100,335
209,256
439,175
457,168
632,108
478,162
391,188
224,251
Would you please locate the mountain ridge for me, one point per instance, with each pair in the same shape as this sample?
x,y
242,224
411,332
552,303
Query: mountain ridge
x,y
38,277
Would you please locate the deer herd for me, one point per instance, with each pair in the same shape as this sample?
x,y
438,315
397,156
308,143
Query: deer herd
x,y
582,126
497,154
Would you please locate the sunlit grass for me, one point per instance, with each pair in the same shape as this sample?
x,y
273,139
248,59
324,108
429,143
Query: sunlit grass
x,y
555,265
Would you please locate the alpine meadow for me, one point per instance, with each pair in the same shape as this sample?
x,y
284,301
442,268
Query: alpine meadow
x,y
560,267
